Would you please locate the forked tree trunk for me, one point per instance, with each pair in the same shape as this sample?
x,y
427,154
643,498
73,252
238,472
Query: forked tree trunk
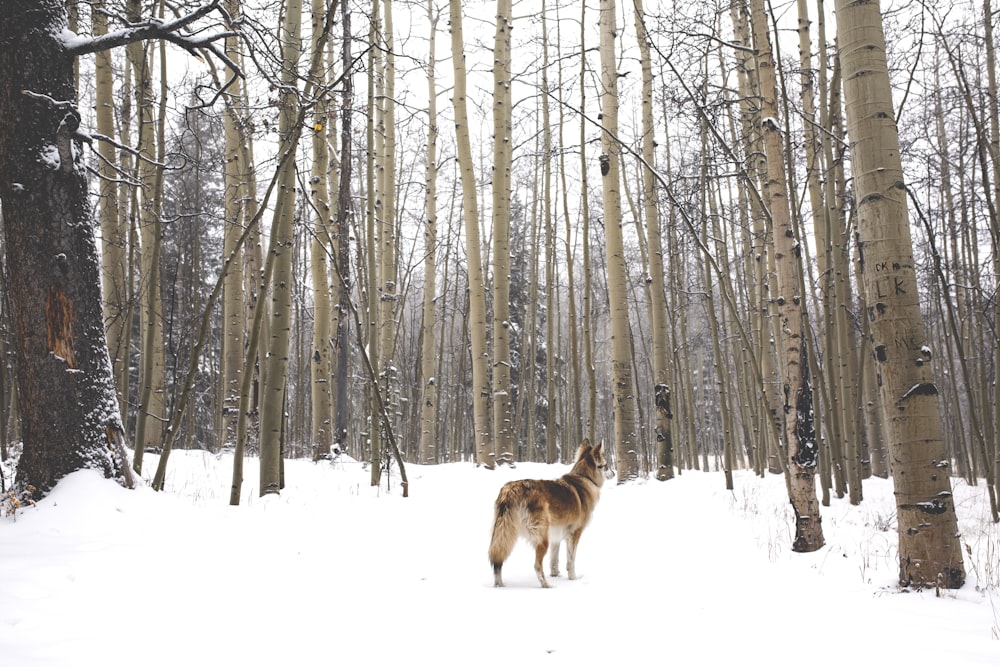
x,y
929,550
68,405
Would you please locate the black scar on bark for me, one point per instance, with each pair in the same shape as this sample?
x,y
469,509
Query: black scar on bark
x,y
662,399
923,389
807,453
933,507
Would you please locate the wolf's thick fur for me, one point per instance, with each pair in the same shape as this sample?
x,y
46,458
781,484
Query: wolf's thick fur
x,y
548,511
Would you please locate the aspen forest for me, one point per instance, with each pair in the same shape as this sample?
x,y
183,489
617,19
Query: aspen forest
x,y
738,235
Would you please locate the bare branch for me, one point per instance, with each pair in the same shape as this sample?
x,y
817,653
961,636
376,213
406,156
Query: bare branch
x,y
155,28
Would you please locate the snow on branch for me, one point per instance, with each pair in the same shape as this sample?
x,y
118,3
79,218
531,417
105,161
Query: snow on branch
x,y
155,28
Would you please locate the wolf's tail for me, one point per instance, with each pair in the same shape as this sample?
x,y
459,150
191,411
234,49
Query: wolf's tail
x,y
506,521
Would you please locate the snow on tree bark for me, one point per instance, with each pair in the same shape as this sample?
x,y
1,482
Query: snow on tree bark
x,y
69,408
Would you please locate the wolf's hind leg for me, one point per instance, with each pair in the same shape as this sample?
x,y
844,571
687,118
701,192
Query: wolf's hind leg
x,y
540,548
554,557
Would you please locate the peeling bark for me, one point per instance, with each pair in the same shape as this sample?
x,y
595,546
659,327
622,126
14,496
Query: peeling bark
x,y
59,325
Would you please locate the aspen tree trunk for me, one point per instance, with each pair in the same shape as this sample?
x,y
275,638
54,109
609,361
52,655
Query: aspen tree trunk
x,y
626,428
835,400
255,280
551,338
965,274
868,414
957,334
529,386
718,361
832,242
386,212
799,426
762,319
462,448
688,367
442,409
574,430
126,222
374,151
994,147
929,549
481,392
757,422
114,233
985,453
273,397
298,427
150,413
429,452
678,330
655,279
190,277
254,329
232,290
256,324
503,392
588,324
319,245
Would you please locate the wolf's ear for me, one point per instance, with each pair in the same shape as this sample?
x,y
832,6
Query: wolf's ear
x,y
599,448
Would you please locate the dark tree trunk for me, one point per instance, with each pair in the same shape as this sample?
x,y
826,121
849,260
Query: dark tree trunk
x,y
69,409
342,265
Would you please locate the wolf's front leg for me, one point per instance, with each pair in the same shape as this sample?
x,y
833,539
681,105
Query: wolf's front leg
x,y
571,542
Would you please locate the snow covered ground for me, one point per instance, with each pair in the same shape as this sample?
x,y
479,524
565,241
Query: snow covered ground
x,y
333,572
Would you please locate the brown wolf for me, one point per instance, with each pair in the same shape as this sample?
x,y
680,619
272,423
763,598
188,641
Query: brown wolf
x,y
548,511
